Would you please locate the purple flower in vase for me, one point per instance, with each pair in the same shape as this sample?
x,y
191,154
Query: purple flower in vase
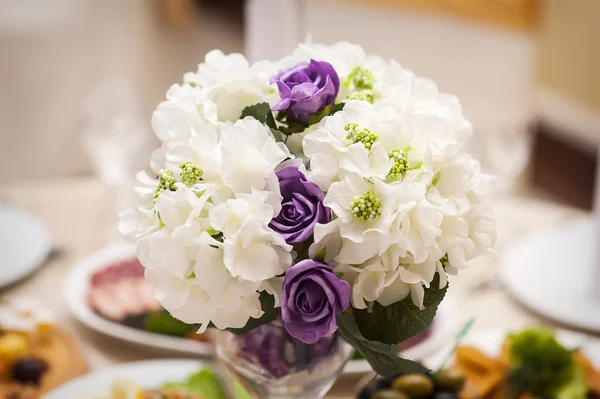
x,y
306,88
311,299
302,206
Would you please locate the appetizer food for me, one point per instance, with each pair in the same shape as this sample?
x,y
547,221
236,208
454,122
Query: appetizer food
x,y
202,385
25,329
445,384
121,294
532,364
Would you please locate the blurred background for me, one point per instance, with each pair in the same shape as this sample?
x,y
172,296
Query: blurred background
x,y
79,80
525,71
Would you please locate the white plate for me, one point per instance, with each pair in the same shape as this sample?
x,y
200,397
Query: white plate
x,y
490,343
561,260
25,244
443,330
76,289
146,374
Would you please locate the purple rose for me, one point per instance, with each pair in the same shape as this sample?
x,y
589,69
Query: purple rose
x,y
302,206
312,297
306,88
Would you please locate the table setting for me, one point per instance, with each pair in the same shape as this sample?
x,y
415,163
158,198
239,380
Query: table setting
x,y
308,227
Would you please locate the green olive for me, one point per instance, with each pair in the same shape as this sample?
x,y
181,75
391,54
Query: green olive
x,y
451,379
414,385
389,394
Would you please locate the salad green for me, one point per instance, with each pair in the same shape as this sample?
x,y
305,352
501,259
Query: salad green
x,y
206,383
544,368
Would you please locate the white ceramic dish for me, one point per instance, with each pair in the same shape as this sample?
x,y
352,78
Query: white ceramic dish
x,y
75,293
25,244
564,263
146,374
443,330
490,343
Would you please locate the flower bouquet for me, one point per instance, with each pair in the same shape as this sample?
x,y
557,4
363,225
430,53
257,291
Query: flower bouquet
x,y
323,194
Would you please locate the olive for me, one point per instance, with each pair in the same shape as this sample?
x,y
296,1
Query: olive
x,y
29,370
389,394
451,379
369,390
384,383
414,385
444,395
376,385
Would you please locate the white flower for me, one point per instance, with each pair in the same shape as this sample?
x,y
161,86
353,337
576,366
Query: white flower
x,y
368,140
388,279
347,143
343,56
369,281
252,250
249,155
219,182
479,240
416,223
365,213
231,83
423,97
222,299
178,117
169,242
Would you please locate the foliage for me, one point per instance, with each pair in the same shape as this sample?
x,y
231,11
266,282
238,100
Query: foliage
x,y
164,323
402,320
262,112
382,357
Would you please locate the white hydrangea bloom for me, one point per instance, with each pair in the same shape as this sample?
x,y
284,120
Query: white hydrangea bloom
x,y
427,197
337,149
343,56
248,241
182,114
364,139
231,83
219,182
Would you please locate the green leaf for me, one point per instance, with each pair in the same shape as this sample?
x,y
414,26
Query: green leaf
x,y
260,112
317,116
270,121
337,107
327,111
278,135
382,357
402,320
267,302
164,323
293,126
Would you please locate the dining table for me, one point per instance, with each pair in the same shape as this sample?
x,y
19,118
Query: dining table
x,y
80,214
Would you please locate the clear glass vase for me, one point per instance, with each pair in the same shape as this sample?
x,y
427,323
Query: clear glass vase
x,y
271,364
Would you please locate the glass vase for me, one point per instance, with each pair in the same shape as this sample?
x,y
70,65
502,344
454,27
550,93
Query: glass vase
x,y
271,364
